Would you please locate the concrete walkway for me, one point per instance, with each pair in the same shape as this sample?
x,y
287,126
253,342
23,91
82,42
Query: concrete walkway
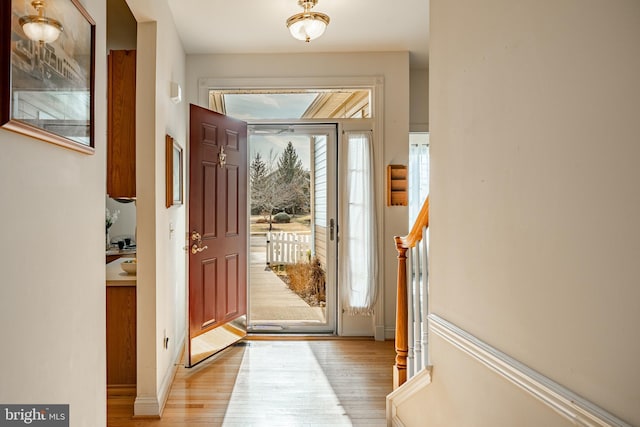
x,y
270,300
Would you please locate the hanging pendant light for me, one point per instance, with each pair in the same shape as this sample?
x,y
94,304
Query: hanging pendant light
x,y
307,25
40,28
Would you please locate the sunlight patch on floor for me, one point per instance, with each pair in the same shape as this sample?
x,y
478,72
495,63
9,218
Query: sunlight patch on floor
x,y
300,394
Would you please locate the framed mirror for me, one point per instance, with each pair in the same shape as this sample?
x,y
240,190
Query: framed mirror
x,y
47,64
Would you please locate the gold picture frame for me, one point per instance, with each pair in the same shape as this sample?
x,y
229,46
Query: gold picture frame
x,y
174,173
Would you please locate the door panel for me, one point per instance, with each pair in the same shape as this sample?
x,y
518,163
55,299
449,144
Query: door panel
x,y
232,140
208,303
209,134
233,203
232,294
217,237
209,215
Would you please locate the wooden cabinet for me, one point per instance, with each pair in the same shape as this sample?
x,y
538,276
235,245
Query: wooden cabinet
x,y
121,124
397,183
121,336
110,258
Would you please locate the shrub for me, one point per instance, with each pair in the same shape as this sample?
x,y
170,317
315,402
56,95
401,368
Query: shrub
x,y
298,275
281,218
317,280
307,279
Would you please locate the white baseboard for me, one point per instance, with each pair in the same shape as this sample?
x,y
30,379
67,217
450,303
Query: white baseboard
x,y
389,333
565,402
167,381
152,406
146,406
406,391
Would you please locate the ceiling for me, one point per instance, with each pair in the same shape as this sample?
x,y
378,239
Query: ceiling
x,y
252,26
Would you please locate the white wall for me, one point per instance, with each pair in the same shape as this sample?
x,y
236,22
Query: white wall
x,y
534,192
393,67
52,297
170,119
419,100
161,258
121,26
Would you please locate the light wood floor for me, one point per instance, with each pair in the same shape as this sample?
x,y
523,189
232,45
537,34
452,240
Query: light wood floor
x,y
277,383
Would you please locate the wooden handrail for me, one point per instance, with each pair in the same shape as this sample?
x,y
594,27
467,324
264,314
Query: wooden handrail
x,y
402,245
415,235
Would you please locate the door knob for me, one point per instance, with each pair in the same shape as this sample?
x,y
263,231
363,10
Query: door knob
x,y
222,157
197,247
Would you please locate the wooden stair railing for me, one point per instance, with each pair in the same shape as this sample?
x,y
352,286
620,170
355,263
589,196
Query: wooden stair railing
x,y
403,244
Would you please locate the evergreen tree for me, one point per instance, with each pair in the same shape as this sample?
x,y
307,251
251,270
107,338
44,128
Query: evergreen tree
x,y
293,180
258,174
289,164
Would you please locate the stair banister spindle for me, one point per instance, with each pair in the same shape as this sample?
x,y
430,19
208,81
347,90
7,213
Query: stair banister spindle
x,y
417,319
424,289
411,361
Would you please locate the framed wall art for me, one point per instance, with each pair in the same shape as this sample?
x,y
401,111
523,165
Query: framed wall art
x,y
47,71
174,172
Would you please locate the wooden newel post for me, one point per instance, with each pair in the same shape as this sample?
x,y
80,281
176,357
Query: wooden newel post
x,y
400,368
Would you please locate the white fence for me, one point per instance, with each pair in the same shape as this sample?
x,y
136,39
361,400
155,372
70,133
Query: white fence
x,y
287,248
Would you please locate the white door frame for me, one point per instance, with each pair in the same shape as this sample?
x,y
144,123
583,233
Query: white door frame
x,y
304,127
347,326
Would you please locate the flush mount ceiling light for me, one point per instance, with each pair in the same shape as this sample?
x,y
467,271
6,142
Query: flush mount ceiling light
x,y
307,25
38,27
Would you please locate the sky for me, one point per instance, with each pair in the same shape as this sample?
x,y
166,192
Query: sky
x,y
255,106
276,106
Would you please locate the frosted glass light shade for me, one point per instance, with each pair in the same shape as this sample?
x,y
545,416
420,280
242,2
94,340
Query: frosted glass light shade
x,y
41,29
307,26
38,27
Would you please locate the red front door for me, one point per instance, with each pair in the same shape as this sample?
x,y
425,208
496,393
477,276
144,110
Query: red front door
x,y
217,220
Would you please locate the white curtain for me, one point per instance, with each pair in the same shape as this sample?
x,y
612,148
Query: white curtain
x,y
359,237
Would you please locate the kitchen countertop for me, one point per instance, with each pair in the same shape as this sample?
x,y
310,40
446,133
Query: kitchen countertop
x,y
117,277
116,251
